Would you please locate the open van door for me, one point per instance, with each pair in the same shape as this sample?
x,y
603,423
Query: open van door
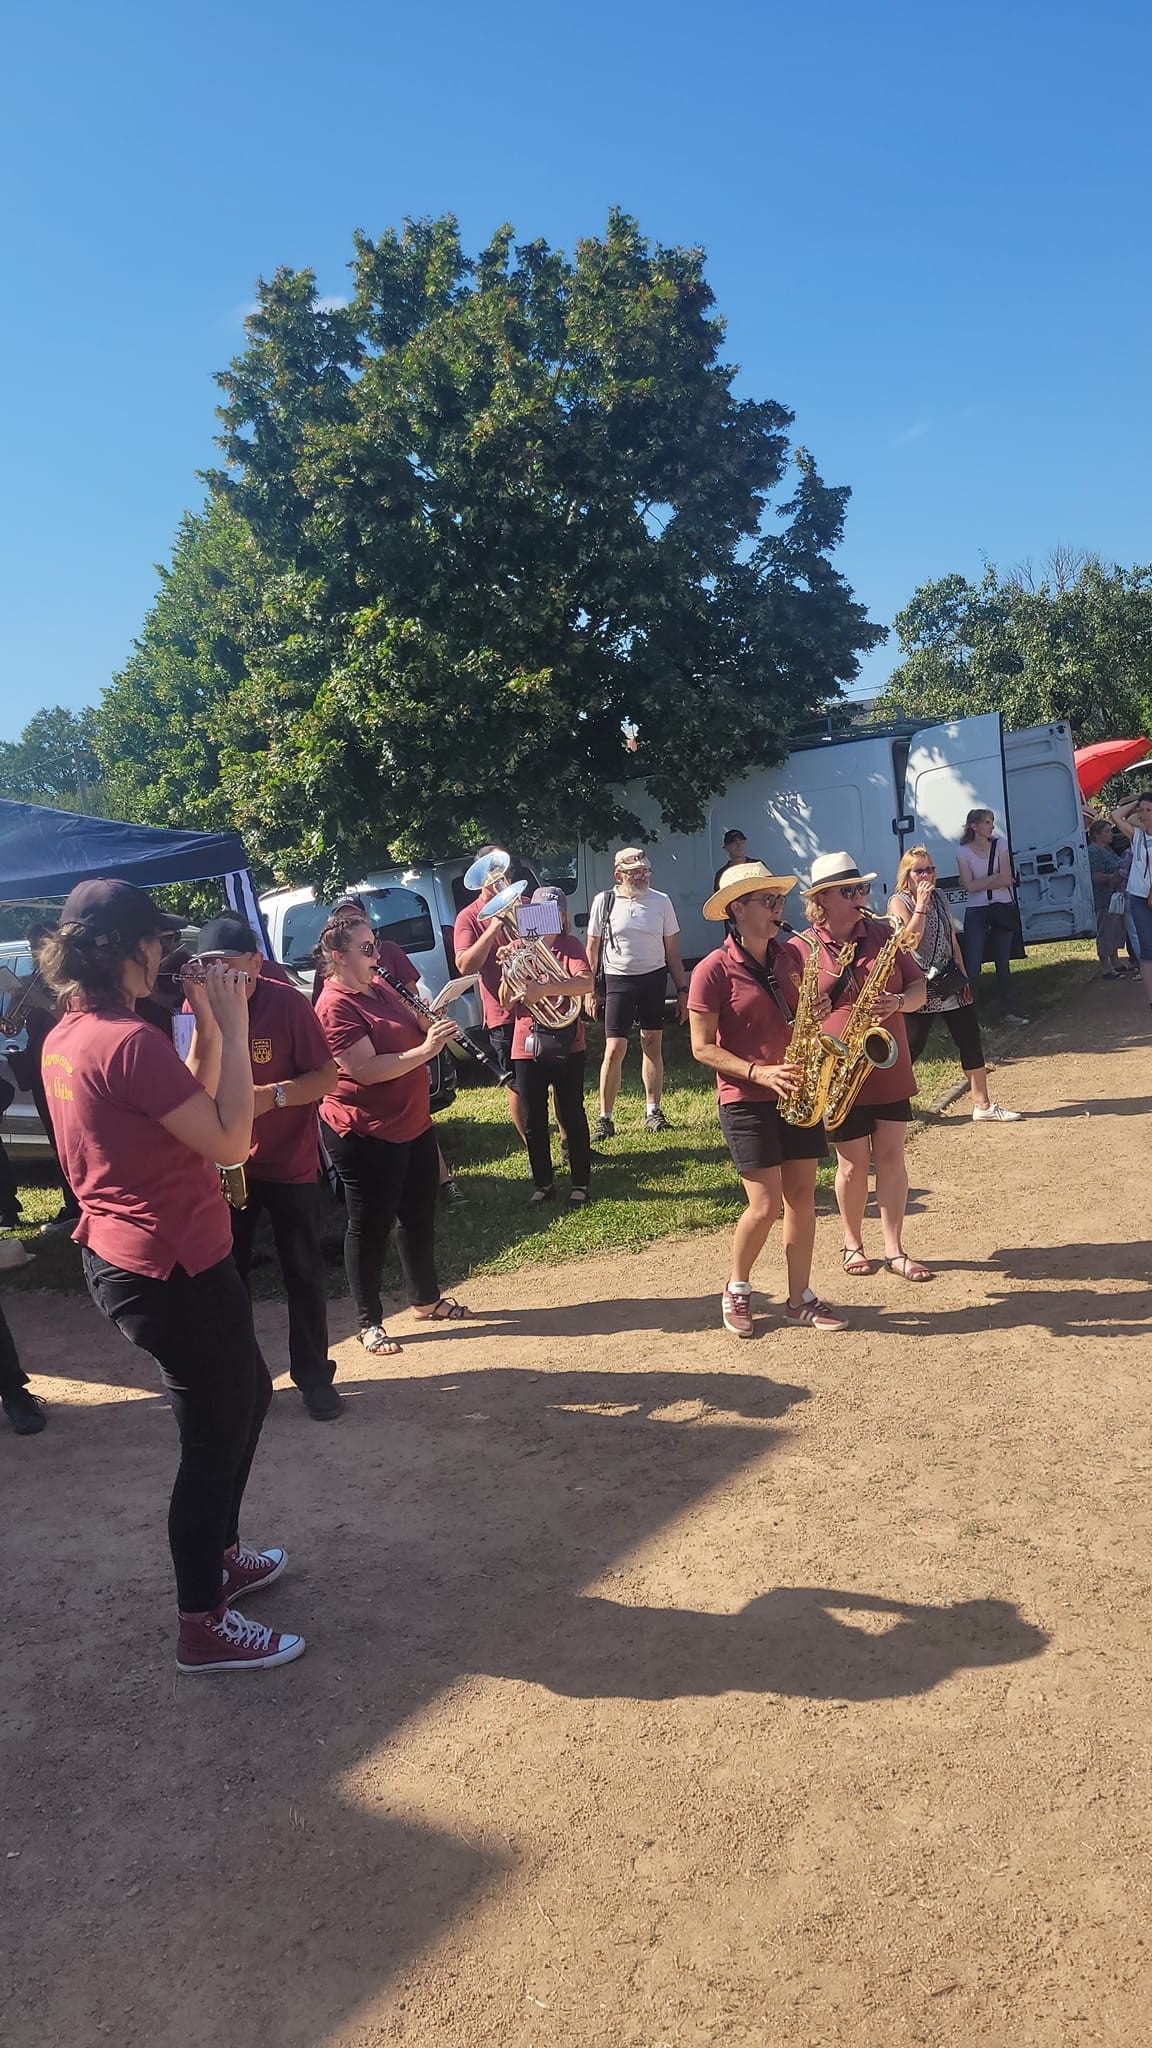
x,y
953,769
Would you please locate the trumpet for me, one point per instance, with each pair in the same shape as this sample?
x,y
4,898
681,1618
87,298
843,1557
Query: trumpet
x,y
465,1041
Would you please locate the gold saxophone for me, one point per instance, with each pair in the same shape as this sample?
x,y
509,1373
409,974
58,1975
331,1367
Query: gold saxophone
x,y
866,1043
815,1051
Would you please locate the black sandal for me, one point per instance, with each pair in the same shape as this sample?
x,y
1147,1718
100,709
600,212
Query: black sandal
x,y
577,1198
446,1310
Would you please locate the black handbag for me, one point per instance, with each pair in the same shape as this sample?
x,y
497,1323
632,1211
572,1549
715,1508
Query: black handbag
x,y
1001,916
948,980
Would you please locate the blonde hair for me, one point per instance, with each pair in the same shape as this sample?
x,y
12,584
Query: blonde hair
x,y
908,861
814,909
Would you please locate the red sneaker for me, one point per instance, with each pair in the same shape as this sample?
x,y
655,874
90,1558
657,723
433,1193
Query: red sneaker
x,y
227,1641
245,1571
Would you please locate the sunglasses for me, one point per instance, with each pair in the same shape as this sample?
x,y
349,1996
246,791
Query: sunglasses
x,y
922,871
367,948
855,889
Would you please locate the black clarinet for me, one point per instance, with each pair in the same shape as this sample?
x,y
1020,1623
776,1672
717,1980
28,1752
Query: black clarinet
x,y
464,1041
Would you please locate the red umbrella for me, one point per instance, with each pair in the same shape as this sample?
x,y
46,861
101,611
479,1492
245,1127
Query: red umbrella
x,y
1095,764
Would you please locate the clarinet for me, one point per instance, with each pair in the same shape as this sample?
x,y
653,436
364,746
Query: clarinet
x,y
464,1041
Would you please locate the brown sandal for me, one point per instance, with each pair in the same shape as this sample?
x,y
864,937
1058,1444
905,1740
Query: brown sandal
x,y
862,1270
899,1264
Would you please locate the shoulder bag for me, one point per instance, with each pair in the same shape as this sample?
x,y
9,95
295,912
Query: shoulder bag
x,y
1001,916
599,985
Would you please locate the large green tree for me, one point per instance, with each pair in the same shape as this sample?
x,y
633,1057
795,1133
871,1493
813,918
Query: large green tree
x,y
1071,641
515,541
55,762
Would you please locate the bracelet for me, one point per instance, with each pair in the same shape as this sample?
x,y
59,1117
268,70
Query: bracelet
x,y
751,1071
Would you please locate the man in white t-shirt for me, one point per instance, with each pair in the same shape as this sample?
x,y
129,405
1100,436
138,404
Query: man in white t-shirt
x,y
632,940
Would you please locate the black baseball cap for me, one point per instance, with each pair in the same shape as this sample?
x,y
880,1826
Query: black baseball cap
x,y
118,911
226,935
732,834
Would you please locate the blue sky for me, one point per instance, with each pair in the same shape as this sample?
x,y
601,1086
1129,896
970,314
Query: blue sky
x,y
927,229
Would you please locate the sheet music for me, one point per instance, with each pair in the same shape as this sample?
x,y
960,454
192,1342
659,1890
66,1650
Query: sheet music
x,y
453,990
538,920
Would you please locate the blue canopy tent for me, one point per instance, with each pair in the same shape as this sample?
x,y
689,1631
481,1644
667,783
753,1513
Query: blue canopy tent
x,y
44,853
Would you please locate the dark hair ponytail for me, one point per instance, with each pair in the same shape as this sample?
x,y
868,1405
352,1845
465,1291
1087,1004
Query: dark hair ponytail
x,y
88,972
333,940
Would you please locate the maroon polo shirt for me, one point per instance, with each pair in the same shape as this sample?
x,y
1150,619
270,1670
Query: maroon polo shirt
x,y
750,1023
898,1082
147,1203
394,1110
466,931
571,956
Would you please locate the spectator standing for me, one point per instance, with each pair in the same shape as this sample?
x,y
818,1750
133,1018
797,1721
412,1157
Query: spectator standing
x,y
1106,884
736,854
984,864
1134,820
632,948
919,905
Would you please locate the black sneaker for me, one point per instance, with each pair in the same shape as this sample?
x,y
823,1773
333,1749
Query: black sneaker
x,y
452,1193
324,1404
24,1412
603,1128
656,1121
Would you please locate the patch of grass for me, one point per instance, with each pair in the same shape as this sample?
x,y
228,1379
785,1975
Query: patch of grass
x,y
644,1187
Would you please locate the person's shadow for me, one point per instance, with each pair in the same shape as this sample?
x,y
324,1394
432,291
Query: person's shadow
x,y
791,1641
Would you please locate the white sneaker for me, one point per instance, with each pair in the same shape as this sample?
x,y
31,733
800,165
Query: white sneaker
x,y
995,1115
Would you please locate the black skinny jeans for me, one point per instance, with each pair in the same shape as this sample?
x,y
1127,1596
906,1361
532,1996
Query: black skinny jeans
x,y
533,1081
388,1184
293,1210
199,1330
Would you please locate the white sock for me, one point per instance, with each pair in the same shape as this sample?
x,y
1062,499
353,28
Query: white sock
x,y
739,1287
652,1107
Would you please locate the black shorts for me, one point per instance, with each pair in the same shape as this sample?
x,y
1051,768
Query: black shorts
x,y
499,1037
861,1122
757,1136
634,998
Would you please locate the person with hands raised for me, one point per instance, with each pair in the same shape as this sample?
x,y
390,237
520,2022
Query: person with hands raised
x,y
141,1141
923,910
378,1129
741,1006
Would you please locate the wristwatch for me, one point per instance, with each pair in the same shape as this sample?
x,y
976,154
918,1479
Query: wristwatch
x,y
279,1097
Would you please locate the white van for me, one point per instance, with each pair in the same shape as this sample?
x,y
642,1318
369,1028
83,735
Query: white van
x,y
875,794
20,1126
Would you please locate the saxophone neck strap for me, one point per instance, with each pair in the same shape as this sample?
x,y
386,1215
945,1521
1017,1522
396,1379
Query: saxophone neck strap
x,y
762,973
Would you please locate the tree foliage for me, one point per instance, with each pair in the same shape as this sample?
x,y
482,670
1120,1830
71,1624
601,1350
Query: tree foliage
x,y
492,540
55,762
1072,641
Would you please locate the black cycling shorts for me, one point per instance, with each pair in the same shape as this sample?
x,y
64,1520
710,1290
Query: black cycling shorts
x,y
757,1136
634,998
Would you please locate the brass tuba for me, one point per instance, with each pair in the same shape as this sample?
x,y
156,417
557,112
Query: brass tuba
x,y
816,1052
527,960
866,1043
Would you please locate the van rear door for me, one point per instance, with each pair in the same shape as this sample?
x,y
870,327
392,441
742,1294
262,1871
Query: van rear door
x,y
1049,848
953,769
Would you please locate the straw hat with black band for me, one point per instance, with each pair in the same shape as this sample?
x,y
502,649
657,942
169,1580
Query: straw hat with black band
x,y
833,870
750,878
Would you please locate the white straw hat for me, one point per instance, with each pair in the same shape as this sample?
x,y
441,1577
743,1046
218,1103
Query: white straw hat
x,y
828,869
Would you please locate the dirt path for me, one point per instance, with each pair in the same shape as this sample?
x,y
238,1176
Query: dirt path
x,y
663,1692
